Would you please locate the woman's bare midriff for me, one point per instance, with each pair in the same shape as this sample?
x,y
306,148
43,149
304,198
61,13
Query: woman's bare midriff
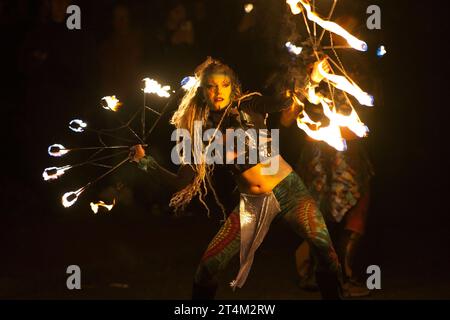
x,y
256,181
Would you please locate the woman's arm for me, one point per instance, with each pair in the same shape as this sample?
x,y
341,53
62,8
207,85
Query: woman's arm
x,y
177,181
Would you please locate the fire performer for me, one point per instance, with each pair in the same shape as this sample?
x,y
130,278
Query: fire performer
x,y
218,102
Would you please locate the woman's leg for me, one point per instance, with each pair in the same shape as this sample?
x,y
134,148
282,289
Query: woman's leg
x,y
224,246
300,211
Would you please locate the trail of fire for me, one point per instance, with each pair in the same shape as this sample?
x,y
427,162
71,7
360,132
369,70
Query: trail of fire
x,y
344,84
327,25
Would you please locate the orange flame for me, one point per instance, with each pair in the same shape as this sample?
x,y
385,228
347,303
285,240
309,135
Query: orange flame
x,y
111,103
95,206
330,134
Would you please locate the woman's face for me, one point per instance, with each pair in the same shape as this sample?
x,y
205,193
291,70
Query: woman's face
x,y
217,91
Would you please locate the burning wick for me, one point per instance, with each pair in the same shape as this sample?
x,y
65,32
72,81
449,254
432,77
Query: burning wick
x,y
381,51
57,150
248,7
152,86
95,206
69,198
188,83
54,173
77,125
293,48
110,103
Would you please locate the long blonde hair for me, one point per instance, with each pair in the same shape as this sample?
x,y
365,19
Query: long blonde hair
x,y
193,107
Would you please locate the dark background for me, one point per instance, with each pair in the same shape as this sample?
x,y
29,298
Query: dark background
x,y
139,250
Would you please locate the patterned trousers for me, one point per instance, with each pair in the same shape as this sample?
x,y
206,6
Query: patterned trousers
x,y
298,209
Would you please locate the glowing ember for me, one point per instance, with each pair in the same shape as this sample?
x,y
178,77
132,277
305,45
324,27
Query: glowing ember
x,y
69,198
57,150
189,82
54,173
343,84
152,86
248,7
293,48
354,42
77,125
110,103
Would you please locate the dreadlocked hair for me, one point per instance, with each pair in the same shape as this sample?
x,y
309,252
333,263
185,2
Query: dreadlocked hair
x,y
193,107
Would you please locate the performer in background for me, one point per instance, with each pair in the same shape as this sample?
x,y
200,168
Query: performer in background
x,y
340,183
217,101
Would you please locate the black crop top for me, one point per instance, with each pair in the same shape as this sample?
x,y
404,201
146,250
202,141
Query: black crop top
x,y
251,113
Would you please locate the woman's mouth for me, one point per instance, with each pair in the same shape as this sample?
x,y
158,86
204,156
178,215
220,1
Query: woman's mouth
x,y
218,99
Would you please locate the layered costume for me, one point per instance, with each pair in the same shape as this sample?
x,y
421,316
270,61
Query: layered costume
x,y
246,226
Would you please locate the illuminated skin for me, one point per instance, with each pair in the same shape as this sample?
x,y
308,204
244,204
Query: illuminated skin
x,y
217,91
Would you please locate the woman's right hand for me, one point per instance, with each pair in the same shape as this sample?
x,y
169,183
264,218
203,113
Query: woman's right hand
x,y
137,152
316,76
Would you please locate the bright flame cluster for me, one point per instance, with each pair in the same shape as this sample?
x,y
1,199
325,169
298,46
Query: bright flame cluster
x,y
331,134
354,42
152,86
